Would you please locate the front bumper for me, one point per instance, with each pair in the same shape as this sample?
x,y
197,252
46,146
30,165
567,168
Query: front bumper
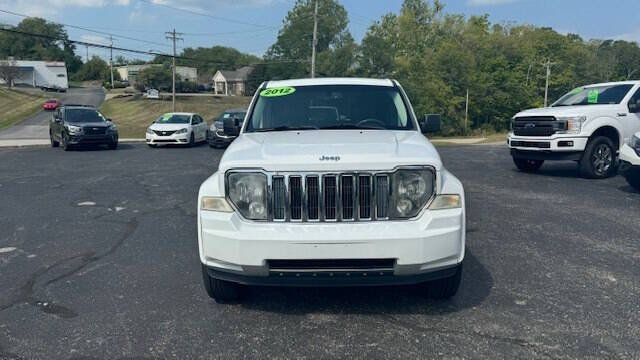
x,y
215,138
563,143
155,139
423,249
93,139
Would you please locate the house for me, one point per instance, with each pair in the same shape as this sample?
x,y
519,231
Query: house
x,y
227,82
129,72
45,74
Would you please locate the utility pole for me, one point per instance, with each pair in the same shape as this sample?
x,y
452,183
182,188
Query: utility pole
x,y
111,60
87,53
548,64
466,113
174,36
315,40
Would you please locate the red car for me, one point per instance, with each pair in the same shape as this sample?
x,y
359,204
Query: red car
x,y
51,104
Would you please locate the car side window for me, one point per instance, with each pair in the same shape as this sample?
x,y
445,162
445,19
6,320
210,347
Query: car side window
x,y
194,120
634,102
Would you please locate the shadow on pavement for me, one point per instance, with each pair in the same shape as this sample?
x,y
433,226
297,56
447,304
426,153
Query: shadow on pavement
x,y
476,287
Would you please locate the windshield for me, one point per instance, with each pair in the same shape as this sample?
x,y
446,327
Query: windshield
x,y
83,115
226,115
173,119
330,107
52,101
594,95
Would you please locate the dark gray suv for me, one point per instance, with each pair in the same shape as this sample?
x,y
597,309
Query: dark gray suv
x,y
81,125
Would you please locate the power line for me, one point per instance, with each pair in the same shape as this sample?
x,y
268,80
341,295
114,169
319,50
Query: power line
x,y
102,46
90,30
193,12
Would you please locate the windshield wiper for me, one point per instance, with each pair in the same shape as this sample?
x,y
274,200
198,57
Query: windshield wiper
x,y
351,126
286,128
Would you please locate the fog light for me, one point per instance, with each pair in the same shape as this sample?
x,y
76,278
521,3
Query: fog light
x,y
565,143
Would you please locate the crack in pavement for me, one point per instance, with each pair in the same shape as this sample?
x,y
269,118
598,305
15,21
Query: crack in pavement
x,y
25,293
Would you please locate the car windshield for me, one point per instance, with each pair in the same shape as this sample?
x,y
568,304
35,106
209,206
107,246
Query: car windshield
x,y
330,107
226,115
594,95
51,101
173,119
83,116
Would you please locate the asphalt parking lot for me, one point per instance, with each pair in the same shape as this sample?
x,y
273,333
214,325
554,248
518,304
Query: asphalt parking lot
x,y
98,260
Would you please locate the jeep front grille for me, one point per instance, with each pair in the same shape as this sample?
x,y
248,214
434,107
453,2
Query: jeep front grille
x,y
313,197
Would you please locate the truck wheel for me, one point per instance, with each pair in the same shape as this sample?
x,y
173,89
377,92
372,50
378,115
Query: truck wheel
x,y
445,288
219,290
53,142
599,159
527,165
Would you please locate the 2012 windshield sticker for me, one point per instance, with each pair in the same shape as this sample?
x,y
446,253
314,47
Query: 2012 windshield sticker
x,y
279,91
592,97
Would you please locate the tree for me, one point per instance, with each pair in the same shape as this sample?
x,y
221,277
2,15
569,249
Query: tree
x,y
9,71
291,53
52,45
156,77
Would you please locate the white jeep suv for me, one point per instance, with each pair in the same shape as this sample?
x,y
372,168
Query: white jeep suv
x,y
588,125
331,182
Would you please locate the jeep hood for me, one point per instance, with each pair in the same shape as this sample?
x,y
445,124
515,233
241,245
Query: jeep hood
x,y
346,150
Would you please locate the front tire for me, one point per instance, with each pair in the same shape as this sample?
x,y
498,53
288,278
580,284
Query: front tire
x,y
65,142
599,159
192,140
219,290
445,288
54,143
114,144
527,165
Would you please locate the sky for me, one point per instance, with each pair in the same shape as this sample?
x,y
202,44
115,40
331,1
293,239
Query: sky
x,y
251,26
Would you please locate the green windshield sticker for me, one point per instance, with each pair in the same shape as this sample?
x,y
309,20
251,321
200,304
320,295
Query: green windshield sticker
x,y
592,97
576,90
279,91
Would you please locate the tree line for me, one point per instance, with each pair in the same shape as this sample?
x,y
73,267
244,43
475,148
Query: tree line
x,y
437,56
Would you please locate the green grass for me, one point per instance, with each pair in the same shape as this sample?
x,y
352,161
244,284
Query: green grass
x,y
133,115
15,106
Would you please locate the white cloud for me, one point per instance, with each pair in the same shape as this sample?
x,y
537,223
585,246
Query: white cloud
x,y
489,2
46,8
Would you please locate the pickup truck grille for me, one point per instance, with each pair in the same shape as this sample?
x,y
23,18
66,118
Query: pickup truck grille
x,y
330,197
536,126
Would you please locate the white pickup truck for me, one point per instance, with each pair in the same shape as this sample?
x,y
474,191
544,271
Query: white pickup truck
x,y
588,125
331,182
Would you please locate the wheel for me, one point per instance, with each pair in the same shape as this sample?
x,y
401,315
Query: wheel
x,y
527,165
599,159
114,144
445,288
192,140
219,290
633,178
53,142
65,142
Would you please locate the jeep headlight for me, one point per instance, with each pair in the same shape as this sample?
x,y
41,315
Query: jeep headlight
x,y
182,131
74,129
573,124
634,142
247,191
411,189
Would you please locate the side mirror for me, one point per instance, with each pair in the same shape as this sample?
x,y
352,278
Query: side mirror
x,y
109,120
231,126
430,123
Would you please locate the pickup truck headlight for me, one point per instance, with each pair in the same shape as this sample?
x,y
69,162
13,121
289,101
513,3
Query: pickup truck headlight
x,y
248,193
574,124
74,129
411,189
182,131
634,142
